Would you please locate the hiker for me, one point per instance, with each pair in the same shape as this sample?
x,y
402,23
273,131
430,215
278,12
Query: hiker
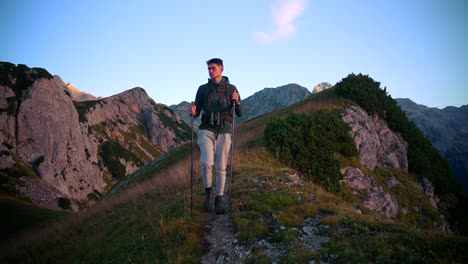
x,y
216,99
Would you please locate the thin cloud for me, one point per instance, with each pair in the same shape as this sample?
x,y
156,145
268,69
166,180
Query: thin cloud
x,y
284,14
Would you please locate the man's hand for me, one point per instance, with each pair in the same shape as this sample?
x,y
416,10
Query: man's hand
x,y
235,96
193,109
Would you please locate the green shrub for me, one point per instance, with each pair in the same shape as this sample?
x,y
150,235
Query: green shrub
x,y
20,77
307,143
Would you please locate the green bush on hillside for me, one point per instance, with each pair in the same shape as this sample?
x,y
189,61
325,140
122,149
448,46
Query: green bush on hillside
x,y
307,143
423,158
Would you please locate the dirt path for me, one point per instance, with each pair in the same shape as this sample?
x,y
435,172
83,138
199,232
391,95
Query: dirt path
x,y
221,239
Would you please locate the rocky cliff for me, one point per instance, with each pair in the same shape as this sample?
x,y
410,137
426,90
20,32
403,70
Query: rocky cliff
x,y
447,129
77,149
380,147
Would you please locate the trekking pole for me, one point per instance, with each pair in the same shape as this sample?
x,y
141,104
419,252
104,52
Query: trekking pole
x,y
191,171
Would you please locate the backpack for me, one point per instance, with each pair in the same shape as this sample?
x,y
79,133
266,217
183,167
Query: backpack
x,y
215,115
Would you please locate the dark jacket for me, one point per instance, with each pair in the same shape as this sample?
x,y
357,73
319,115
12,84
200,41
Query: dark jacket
x,y
216,102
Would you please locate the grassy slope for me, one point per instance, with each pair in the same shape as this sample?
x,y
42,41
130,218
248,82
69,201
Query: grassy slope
x,y
150,222
19,215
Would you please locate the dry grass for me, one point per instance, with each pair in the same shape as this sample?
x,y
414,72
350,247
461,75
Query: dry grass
x,y
170,183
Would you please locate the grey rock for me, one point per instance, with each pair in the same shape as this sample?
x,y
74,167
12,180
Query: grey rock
x,y
356,179
378,145
382,202
392,182
426,187
377,199
48,129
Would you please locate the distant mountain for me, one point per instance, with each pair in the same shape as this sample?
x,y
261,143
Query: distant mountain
x,y
182,110
270,99
77,94
447,129
321,86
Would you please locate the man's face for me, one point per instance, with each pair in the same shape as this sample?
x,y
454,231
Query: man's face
x,y
215,70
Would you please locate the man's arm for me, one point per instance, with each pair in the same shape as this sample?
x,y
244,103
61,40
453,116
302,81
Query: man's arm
x,y
199,98
238,104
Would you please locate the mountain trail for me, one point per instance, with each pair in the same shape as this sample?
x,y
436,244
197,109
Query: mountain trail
x,y
220,237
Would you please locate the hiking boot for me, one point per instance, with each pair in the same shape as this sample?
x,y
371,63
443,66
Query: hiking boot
x,y
220,205
208,203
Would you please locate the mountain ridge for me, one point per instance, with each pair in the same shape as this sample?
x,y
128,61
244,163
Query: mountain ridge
x,y
447,130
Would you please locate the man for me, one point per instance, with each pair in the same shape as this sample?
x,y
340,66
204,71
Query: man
x,y
216,99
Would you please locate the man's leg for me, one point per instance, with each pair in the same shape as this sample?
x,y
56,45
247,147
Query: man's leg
x,y
206,144
221,156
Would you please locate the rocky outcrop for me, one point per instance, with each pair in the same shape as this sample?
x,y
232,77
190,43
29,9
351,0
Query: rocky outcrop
x,y
378,145
426,187
377,199
76,148
49,135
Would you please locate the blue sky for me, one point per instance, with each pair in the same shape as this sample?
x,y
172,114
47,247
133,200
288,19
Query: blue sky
x,y
416,48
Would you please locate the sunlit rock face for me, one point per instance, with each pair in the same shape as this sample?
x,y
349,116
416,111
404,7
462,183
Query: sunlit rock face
x,y
321,87
77,149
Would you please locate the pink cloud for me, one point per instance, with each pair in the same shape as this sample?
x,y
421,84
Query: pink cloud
x,y
284,14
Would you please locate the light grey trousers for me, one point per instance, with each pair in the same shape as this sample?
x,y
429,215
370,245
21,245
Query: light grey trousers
x,y
214,152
